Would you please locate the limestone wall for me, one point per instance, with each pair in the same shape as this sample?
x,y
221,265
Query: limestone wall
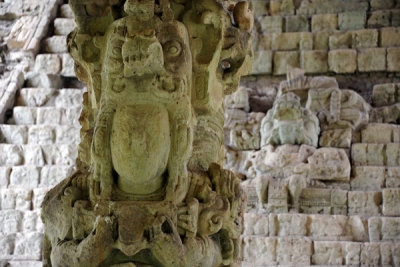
x,y
326,195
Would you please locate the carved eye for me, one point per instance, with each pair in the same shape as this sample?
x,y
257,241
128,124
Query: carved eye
x,y
116,51
172,48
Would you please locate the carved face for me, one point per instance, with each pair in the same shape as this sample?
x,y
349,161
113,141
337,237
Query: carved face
x,y
147,76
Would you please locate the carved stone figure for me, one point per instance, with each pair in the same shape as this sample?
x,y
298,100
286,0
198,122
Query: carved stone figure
x,y
149,190
288,123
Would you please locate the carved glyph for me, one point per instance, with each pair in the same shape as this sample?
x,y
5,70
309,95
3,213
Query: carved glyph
x,y
149,190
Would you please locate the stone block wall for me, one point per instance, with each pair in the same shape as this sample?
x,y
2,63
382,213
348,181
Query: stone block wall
x,y
334,201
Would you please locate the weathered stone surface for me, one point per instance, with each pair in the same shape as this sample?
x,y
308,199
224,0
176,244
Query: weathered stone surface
x,y
341,40
262,62
7,97
342,60
24,175
55,44
365,38
393,59
321,40
384,229
330,6
271,24
13,134
325,22
288,123
379,19
371,59
380,133
365,203
376,154
297,24
63,26
385,94
393,177
315,61
48,63
67,68
329,164
391,199
336,253
390,37
284,61
340,138
368,178
352,20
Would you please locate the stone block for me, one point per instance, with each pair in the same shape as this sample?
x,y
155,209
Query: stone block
x,y
44,80
364,203
380,133
66,11
8,197
13,134
256,224
272,24
370,254
63,26
259,250
24,176
371,59
382,4
384,229
340,138
368,178
6,245
55,44
385,94
262,62
4,176
315,61
33,155
264,42
41,135
38,196
35,97
275,7
48,63
68,64
60,154
390,37
342,40
284,61
298,23
325,22
29,221
393,59
287,8
395,17
327,227
367,38
24,115
285,41
391,200
49,115
23,199
67,135
70,116
342,60
28,246
289,250
379,19
25,263
306,41
52,175
285,225
69,98
329,164
10,155
10,221
376,154
336,253
393,177
352,20
392,154
321,41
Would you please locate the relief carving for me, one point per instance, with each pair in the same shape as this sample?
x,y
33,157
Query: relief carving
x,y
149,190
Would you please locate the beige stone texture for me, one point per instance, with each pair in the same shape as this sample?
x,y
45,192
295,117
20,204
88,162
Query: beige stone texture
x,y
286,41
264,42
342,60
390,37
385,94
367,38
275,7
329,164
382,4
393,177
321,41
384,229
297,23
325,22
391,199
371,59
380,133
306,41
340,138
379,19
271,24
315,61
352,20
262,62
336,253
260,8
364,203
368,178
342,40
284,61
393,59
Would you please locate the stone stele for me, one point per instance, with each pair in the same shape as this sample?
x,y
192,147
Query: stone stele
x,y
149,189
